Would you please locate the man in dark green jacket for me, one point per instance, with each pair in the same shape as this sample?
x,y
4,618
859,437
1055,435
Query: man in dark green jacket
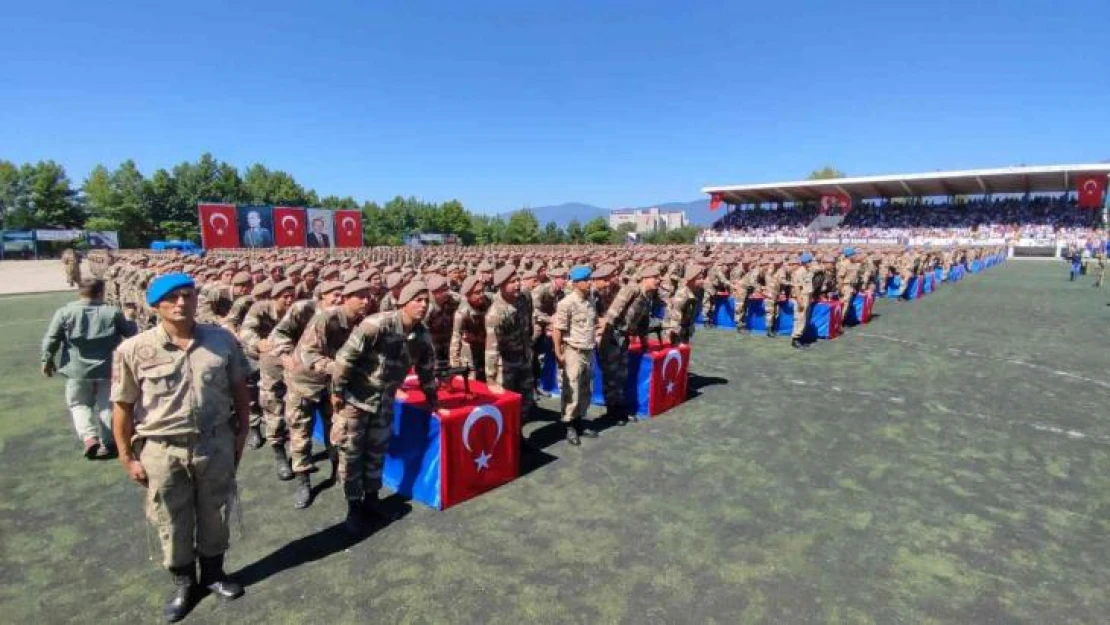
x,y
87,332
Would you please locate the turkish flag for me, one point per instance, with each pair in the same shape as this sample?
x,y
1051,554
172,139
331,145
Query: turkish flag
x,y
348,228
219,225
836,318
289,226
668,368
478,441
714,201
1090,190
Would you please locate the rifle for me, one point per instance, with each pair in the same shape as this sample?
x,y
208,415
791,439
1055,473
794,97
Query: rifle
x,y
655,326
446,372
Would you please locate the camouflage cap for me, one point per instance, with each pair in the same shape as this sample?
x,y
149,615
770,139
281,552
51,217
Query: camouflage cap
x,y
329,286
437,282
355,286
469,284
604,271
393,280
241,278
262,289
411,291
284,285
502,275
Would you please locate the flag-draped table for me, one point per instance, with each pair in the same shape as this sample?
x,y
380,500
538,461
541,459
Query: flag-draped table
x,y
470,446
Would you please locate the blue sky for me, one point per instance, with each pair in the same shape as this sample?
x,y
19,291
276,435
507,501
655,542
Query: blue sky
x,y
508,104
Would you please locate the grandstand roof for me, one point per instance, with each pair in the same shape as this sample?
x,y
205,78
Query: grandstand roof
x,y
1044,179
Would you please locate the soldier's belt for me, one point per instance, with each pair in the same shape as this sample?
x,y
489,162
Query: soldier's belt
x,y
187,440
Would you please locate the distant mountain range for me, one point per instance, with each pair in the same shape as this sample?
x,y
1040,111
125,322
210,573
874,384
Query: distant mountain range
x,y
697,212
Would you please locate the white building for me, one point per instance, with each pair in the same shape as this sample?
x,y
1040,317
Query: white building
x,y
647,219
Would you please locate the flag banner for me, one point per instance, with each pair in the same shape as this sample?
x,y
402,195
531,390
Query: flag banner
x,y
663,373
256,226
468,447
219,225
103,239
348,228
835,203
714,201
289,226
1090,190
321,230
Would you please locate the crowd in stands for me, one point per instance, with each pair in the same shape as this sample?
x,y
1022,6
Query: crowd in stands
x,y
1042,218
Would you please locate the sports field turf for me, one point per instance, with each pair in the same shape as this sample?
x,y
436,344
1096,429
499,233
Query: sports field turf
x,y
948,463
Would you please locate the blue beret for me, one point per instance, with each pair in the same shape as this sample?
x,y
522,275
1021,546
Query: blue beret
x,y
806,258
848,251
579,273
165,284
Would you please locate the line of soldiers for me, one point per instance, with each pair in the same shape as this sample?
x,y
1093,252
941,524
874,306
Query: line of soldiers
x,y
494,310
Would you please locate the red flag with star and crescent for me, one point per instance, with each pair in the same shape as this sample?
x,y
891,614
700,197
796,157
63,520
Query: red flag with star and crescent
x,y
289,226
348,228
219,225
670,369
479,443
1090,190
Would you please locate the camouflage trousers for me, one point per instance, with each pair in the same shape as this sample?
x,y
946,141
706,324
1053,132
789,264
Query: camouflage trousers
x,y
253,390
72,273
847,295
361,437
905,277
300,410
190,482
801,315
740,311
771,311
517,377
612,357
271,397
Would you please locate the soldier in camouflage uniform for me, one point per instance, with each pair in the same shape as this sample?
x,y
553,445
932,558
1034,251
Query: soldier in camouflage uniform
x,y
258,325
628,315
683,305
574,333
440,318
802,283
545,297
468,330
71,266
307,377
745,281
369,369
509,343
775,278
716,282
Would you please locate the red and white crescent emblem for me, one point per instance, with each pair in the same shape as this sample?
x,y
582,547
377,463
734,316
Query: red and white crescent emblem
x,y
212,222
481,461
1090,187
348,225
671,382
289,229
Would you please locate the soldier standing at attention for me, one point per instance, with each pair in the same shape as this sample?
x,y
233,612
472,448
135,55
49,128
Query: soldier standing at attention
x,y
440,317
509,343
307,377
71,266
629,313
89,331
468,330
772,288
369,370
683,306
802,290
545,298
574,332
172,387
259,324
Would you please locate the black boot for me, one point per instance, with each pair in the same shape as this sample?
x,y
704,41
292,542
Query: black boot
x,y
333,457
618,416
797,344
585,431
572,434
373,506
254,437
213,578
302,498
184,593
281,464
771,332
355,523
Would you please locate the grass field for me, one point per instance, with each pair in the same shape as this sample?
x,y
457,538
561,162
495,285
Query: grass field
x,y
948,463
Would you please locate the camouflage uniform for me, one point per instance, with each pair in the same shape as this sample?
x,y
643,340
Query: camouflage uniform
x,y
801,281
259,324
468,339
369,369
439,321
509,349
772,288
629,313
576,322
681,310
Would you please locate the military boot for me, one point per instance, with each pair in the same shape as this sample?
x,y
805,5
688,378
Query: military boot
x,y
213,578
572,434
584,430
184,593
302,498
333,457
798,344
254,437
373,506
281,464
618,416
355,523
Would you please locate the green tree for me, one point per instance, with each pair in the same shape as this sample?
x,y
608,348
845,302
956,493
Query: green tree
x,y
597,231
522,228
44,198
11,189
826,173
552,234
575,233
620,235
454,219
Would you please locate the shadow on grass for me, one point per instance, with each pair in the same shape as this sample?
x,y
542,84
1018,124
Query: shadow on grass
x,y
315,546
696,383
